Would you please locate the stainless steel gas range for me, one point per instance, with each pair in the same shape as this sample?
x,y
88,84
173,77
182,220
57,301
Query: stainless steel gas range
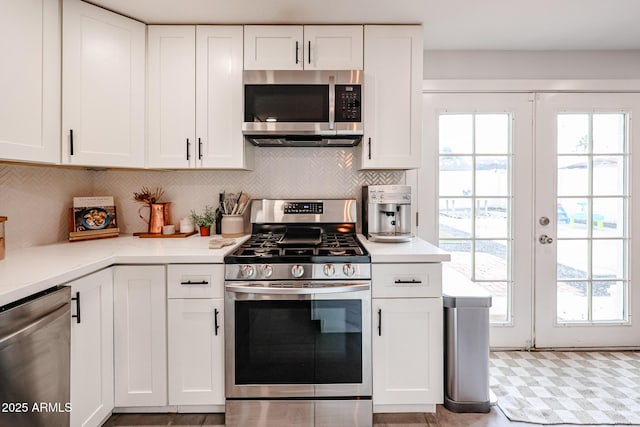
x,y
298,318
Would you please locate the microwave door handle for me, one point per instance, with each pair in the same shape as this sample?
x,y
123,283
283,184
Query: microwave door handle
x,y
332,102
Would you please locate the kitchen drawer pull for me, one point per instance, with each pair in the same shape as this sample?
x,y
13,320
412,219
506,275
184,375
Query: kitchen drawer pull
x,y
77,300
216,327
199,149
188,146
189,282
71,142
412,281
379,322
297,52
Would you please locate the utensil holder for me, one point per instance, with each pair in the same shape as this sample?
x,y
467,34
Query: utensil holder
x,y
232,225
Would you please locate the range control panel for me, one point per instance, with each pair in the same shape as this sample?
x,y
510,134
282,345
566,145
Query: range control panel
x,y
348,103
303,208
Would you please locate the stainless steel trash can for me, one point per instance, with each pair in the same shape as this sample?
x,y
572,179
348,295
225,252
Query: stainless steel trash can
x,y
466,335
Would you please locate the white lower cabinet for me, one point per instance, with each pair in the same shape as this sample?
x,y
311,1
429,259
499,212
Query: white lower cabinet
x,y
196,334
196,352
140,336
407,338
92,349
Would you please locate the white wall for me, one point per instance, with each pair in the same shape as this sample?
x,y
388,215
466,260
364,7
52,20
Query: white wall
x,y
36,198
494,64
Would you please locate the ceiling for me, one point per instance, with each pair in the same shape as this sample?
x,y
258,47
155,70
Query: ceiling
x,y
448,24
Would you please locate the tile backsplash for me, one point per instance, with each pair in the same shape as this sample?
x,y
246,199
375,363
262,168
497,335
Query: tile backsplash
x,y
36,198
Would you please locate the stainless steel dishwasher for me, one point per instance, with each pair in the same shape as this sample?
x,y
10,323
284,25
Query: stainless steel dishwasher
x,y
34,360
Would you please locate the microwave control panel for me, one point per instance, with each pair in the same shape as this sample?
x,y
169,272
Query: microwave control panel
x,y
348,103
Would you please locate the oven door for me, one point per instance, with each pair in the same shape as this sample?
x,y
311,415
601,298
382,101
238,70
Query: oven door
x,y
313,339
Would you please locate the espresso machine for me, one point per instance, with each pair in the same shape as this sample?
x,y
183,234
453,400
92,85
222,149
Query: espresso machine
x,y
386,213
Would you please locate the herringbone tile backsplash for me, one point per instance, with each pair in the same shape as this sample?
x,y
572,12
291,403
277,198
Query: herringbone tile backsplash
x,y
36,198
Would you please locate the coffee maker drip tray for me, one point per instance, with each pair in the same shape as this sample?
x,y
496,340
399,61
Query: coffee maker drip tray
x,y
390,237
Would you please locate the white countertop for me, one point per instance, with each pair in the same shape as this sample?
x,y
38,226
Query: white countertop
x,y
27,271
416,250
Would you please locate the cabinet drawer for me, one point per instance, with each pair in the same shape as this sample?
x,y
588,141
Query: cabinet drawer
x,y
406,280
195,281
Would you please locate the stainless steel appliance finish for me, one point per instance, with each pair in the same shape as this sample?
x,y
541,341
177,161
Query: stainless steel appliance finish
x,y
298,310
303,108
386,213
35,360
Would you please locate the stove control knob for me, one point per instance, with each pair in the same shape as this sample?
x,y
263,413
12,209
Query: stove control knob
x,y
266,270
247,271
348,270
329,270
297,271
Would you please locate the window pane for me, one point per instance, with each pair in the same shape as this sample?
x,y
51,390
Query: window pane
x,y
460,255
455,133
608,133
608,301
573,257
608,259
573,301
572,217
492,176
491,260
492,218
608,217
455,218
573,133
499,311
492,133
573,175
456,176
608,175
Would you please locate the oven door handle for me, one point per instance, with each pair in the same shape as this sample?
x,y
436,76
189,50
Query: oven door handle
x,y
286,290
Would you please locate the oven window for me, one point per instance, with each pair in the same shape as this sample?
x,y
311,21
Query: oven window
x,y
286,103
298,342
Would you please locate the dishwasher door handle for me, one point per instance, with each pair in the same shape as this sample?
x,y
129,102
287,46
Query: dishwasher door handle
x,y
34,326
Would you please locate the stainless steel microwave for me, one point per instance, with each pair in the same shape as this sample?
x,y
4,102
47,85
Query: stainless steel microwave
x,y
303,107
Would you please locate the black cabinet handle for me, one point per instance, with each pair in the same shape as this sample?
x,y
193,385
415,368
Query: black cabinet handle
x,y
297,52
71,142
379,322
369,148
215,321
77,300
188,147
412,281
189,282
309,53
199,149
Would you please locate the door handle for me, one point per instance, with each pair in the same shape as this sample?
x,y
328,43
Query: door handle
x,y
216,326
545,240
379,322
77,300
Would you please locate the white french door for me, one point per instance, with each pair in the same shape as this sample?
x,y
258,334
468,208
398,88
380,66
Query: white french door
x,y
478,171
587,220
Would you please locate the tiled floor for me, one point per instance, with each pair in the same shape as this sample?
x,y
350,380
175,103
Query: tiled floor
x,y
442,418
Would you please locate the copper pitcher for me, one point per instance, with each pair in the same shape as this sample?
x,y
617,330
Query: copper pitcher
x,y
158,216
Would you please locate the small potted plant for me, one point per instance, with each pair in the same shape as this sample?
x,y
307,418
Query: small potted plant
x,y
204,220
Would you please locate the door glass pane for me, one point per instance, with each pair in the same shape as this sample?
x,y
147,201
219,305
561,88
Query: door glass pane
x,y
608,133
573,259
572,217
573,304
608,259
475,201
608,175
608,301
573,175
573,133
608,217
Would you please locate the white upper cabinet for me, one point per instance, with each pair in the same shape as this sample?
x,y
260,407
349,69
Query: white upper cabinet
x,y
30,80
194,113
392,97
308,47
103,85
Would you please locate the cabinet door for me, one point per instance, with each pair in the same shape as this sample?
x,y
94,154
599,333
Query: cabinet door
x,y
92,349
333,47
30,80
273,47
171,111
140,340
103,79
392,90
196,352
407,351
220,143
